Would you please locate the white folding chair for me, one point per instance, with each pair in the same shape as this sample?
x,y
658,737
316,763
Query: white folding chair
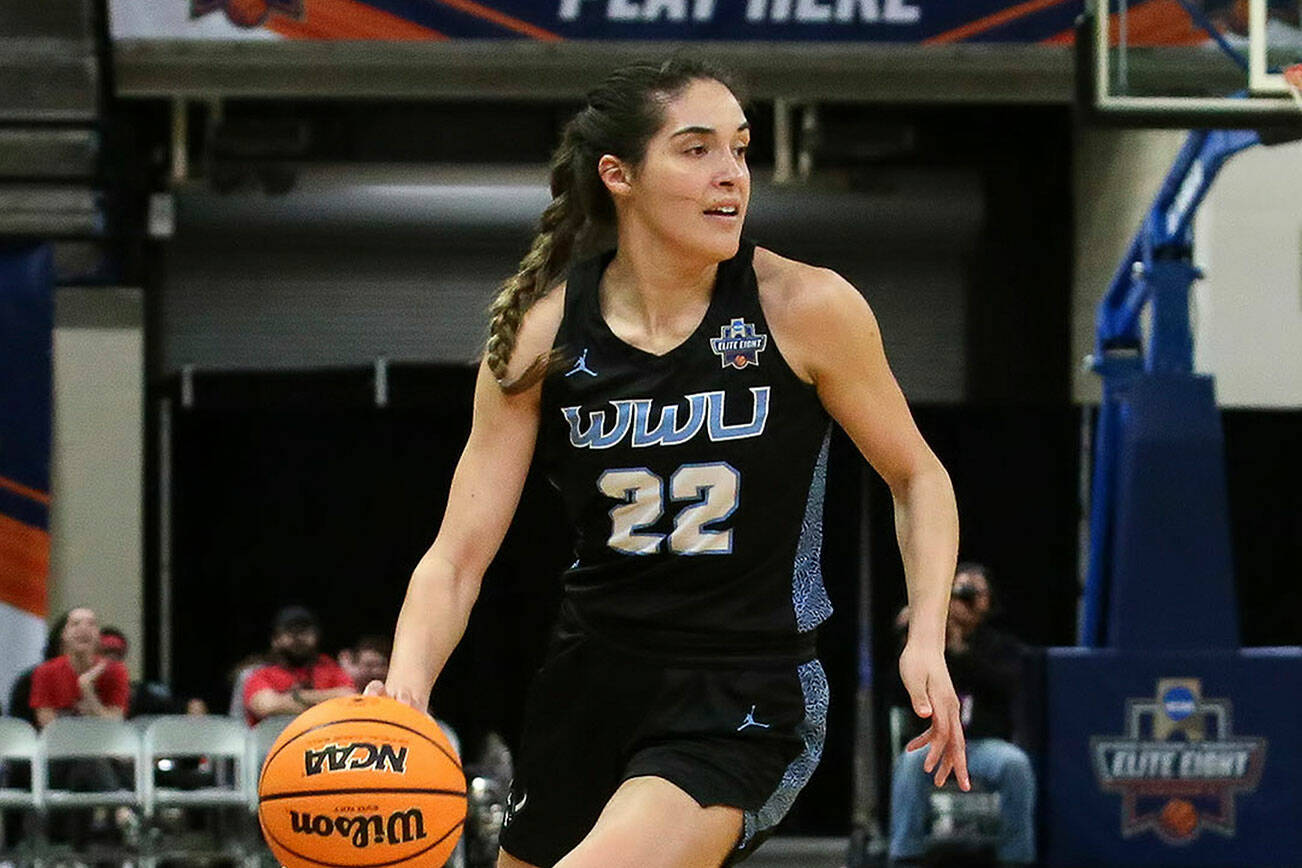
x,y
221,740
141,721
89,738
19,743
257,744
169,737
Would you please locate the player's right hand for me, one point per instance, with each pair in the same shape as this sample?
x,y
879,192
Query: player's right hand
x,y
926,678
402,694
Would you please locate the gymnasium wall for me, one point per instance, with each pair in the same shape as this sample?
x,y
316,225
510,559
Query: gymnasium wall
x,y
1115,176
1248,310
97,458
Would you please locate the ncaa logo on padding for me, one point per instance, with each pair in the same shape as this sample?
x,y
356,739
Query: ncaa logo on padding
x,y
738,345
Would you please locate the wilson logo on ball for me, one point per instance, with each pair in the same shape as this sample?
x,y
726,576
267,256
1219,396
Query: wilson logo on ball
x,y
358,755
401,827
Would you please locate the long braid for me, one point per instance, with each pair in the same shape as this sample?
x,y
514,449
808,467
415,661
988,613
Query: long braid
x,y
558,228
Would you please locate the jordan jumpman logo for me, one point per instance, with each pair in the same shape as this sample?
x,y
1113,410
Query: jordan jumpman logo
x,y
582,366
751,721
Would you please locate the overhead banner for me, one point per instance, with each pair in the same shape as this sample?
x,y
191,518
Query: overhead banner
x,y
909,21
26,332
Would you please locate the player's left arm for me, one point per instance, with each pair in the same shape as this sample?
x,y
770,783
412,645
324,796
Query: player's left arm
x,y
830,336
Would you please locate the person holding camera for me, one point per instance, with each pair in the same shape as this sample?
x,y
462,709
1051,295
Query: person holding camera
x,y
986,667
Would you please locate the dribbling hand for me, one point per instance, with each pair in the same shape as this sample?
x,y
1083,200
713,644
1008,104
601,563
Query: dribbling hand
x,y
403,694
932,693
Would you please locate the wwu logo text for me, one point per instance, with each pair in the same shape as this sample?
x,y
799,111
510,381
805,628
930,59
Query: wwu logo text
x,y
633,420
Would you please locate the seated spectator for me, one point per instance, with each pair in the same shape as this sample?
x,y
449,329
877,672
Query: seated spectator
x,y
79,681
147,697
299,675
985,665
367,660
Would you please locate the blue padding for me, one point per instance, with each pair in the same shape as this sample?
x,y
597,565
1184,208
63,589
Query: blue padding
x,y
1172,581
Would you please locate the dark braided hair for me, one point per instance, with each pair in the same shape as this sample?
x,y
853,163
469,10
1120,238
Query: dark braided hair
x,y
622,114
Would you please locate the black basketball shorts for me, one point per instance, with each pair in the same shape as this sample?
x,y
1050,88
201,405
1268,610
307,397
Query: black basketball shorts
x,y
744,736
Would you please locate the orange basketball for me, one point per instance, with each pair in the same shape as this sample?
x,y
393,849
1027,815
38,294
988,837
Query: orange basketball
x,y
1179,818
362,781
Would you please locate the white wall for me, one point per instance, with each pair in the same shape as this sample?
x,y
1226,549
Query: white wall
x,y
97,458
1248,310
1247,313
1116,175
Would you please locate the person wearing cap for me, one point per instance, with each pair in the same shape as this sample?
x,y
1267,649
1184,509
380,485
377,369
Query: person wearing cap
x,y
299,675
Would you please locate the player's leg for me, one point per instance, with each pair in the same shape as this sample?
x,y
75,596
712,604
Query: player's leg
x,y
506,860
650,823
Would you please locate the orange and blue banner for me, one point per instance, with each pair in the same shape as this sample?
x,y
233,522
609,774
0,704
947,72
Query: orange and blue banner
x,y
929,22
26,336
925,21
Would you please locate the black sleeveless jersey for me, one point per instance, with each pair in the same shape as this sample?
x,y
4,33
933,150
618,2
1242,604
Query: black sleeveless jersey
x,y
694,479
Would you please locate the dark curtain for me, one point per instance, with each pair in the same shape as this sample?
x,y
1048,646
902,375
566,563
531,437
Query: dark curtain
x,y
1264,475
295,488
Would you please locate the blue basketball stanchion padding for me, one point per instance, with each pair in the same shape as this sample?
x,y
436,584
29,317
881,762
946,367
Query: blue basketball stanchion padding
x,y
1168,744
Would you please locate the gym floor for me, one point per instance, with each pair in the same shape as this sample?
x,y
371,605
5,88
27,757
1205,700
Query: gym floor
x,y
800,853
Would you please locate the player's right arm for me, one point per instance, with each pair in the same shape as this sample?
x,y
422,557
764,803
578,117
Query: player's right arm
x,y
481,502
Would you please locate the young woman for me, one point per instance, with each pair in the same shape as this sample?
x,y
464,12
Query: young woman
x,y
678,386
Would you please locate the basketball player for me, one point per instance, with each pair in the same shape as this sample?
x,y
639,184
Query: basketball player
x,y
678,388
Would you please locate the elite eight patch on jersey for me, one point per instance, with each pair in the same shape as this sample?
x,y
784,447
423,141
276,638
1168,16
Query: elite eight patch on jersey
x,y
738,344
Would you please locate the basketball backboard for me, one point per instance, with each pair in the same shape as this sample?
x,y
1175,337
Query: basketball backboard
x,y
1190,63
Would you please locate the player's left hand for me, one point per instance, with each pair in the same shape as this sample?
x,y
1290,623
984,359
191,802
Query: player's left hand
x,y
932,693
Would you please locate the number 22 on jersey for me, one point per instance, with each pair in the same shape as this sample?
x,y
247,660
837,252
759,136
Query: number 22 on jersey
x,y
709,491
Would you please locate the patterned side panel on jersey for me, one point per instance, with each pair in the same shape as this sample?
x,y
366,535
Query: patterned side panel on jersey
x,y
813,682
807,592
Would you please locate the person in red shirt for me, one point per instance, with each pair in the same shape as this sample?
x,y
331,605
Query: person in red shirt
x,y
83,682
80,681
300,676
